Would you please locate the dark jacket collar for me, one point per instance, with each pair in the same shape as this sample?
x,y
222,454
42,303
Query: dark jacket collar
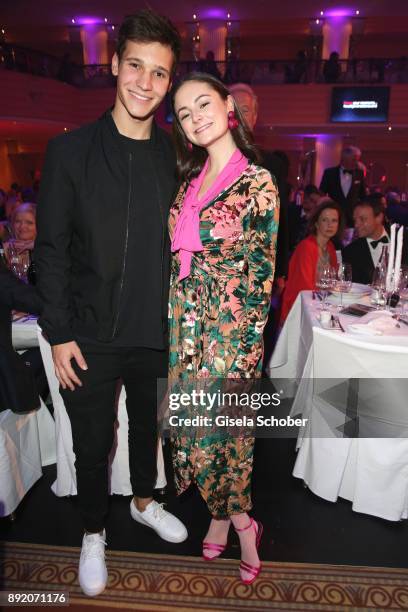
x,y
112,131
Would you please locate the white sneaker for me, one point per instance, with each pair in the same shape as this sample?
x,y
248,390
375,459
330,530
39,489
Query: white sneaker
x,y
166,525
92,574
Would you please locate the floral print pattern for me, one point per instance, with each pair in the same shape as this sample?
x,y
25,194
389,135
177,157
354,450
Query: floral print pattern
x,y
216,320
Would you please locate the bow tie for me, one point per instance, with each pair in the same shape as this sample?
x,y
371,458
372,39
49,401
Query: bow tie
x,y
374,243
347,171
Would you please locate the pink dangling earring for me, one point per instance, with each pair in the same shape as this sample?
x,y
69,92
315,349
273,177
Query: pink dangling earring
x,y
232,120
190,146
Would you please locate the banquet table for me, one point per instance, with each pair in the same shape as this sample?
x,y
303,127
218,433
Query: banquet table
x,y
309,362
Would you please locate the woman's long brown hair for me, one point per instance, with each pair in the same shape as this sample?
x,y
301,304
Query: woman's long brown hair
x,y
190,162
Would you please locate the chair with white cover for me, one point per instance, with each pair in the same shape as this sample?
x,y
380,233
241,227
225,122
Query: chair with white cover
x,y
20,458
370,470
65,483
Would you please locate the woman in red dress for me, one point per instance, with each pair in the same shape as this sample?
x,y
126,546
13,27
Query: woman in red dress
x,y
315,250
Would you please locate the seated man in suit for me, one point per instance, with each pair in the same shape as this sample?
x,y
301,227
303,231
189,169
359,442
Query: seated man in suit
x,y
364,253
14,294
345,183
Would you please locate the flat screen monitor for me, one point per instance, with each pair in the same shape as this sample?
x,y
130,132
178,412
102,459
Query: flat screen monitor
x,y
360,104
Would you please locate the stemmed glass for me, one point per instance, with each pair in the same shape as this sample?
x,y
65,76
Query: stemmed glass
x,y
344,281
325,280
15,261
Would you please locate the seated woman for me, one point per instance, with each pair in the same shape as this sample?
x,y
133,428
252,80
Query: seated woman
x,y
24,228
316,249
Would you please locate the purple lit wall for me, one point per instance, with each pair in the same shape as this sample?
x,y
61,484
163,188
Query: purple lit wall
x,y
94,38
336,36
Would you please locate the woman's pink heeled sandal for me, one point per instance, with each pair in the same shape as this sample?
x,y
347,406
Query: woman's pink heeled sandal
x,y
244,566
219,548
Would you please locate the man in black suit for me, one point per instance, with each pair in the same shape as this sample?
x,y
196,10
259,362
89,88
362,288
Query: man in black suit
x,y
13,294
364,253
345,183
299,215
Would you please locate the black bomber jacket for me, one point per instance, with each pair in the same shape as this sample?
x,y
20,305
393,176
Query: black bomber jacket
x,y
83,216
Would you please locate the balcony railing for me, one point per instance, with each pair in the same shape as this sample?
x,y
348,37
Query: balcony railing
x,y
259,72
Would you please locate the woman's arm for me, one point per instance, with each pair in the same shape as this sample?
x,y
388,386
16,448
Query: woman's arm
x,y
302,275
260,230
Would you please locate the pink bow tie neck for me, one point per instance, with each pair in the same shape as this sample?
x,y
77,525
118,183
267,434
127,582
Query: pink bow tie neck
x,y
186,237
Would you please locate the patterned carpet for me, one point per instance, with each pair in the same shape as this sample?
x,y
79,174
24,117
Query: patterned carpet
x,y
157,583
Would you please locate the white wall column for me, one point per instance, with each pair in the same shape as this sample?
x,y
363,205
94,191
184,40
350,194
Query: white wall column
x,y
213,34
328,152
94,38
336,36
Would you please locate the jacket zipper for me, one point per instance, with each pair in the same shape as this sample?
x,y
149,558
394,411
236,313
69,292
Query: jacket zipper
x,y
126,246
163,228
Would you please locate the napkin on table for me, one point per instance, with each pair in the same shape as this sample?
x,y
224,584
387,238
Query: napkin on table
x,y
376,326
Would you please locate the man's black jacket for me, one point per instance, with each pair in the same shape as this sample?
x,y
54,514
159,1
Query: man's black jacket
x,y
17,388
83,221
14,294
358,255
331,185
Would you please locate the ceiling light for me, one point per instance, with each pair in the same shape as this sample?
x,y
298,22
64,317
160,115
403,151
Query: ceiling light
x,y
73,20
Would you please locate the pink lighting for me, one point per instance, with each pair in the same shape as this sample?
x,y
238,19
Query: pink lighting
x,y
213,13
88,20
339,12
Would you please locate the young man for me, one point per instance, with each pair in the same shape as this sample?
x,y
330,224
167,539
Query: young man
x,y
102,260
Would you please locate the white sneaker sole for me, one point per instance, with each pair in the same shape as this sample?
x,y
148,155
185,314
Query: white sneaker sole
x,y
93,592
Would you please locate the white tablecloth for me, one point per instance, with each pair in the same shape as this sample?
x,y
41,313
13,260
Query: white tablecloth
x,y
119,460
24,333
20,458
370,472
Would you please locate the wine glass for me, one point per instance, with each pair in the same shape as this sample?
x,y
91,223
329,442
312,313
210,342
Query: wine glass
x,y
324,281
344,280
14,260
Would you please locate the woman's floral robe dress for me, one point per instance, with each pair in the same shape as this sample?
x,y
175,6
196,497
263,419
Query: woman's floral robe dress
x,y
216,319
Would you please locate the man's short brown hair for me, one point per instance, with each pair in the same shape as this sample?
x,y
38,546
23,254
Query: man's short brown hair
x,y
146,26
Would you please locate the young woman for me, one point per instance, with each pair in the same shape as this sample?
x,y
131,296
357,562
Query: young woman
x,y
315,250
223,227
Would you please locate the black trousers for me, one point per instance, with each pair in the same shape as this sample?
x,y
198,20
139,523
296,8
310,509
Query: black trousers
x,y
91,409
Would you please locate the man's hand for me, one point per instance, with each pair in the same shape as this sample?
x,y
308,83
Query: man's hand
x,y
62,355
